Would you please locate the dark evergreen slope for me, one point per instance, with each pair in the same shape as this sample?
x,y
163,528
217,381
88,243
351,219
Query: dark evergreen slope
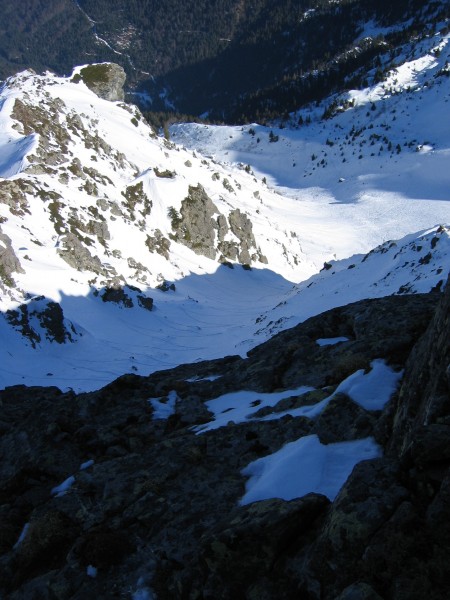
x,y
237,59
46,34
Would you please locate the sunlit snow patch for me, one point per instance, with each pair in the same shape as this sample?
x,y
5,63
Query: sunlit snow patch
x,y
305,466
370,390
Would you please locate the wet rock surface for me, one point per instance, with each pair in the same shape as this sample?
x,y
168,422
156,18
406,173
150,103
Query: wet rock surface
x,y
98,499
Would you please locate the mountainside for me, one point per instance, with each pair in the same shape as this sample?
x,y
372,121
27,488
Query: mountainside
x,y
237,60
287,474
118,247
224,359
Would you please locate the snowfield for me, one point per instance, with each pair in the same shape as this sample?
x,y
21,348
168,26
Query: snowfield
x,y
373,176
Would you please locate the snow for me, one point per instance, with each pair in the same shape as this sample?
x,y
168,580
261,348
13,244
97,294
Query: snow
x,y
64,487
370,390
308,212
209,378
22,535
86,465
91,571
164,407
331,341
238,407
12,154
305,466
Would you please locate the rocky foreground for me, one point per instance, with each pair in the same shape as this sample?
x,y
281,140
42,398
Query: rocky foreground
x,y
155,507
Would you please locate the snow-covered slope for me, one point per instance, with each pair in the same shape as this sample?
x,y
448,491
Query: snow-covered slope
x,y
96,213
376,169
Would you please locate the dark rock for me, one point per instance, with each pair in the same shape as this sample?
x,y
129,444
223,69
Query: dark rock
x,y
292,357
104,548
424,398
160,504
118,296
370,496
145,302
45,544
50,316
165,286
247,545
105,79
343,420
359,591
9,263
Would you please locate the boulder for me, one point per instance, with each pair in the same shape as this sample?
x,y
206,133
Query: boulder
x,y
104,79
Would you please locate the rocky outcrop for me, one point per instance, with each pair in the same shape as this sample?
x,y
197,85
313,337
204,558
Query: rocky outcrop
x,y
158,243
202,228
42,318
105,79
13,194
126,296
9,263
137,200
196,227
75,253
421,420
98,497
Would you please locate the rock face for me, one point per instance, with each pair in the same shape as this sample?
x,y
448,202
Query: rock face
x,y
196,227
75,253
95,485
9,263
42,318
202,228
105,79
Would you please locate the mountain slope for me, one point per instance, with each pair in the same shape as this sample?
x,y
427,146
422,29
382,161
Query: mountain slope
x,y
116,246
145,488
292,470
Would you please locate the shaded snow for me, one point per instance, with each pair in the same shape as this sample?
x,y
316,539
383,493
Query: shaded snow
x,y
331,341
374,389
86,465
22,535
240,406
370,390
163,408
305,466
63,487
